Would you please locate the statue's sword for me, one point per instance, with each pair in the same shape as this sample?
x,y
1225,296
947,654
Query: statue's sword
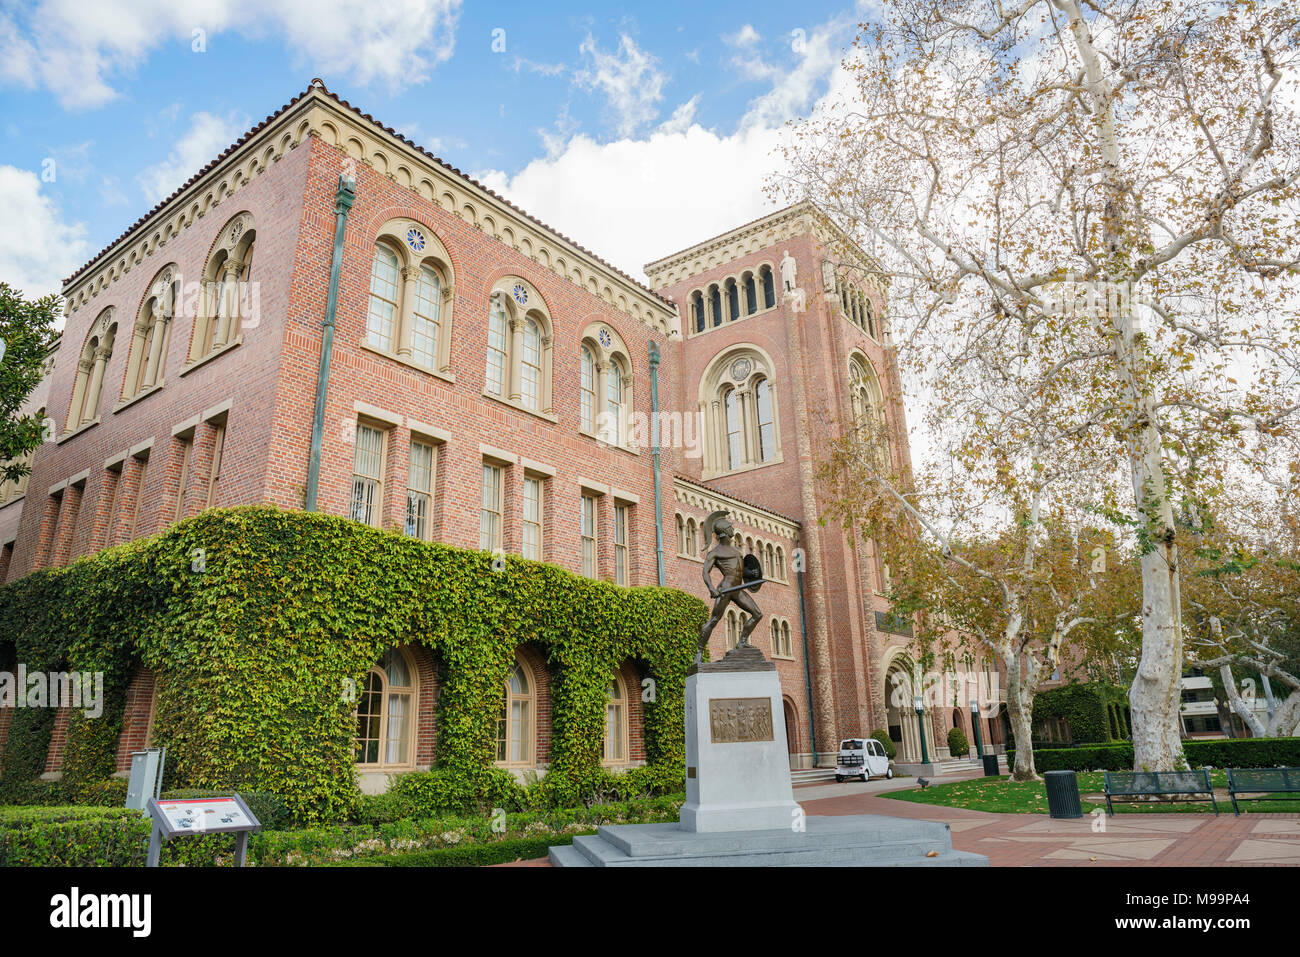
x,y
753,584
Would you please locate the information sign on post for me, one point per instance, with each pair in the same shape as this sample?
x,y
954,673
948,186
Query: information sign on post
x,y
185,817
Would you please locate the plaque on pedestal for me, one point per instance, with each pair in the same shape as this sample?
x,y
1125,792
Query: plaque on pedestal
x,y
737,766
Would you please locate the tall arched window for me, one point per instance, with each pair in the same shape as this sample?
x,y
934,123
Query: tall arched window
x,y
697,310
769,287
692,538
91,367
530,387
614,748
868,407
144,365
751,295
386,713
515,720
228,293
780,563
518,360
426,318
733,300
740,408
681,536
588,393
715,304
606,386
735,438
385,279
408,316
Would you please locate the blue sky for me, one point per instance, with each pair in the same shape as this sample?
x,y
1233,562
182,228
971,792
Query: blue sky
x,y
636,130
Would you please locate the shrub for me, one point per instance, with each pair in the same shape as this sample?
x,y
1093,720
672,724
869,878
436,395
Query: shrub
x,y
958,746
1226,753
474,855
891,749
73,837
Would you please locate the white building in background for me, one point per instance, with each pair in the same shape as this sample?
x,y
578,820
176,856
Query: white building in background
x,y
1199,712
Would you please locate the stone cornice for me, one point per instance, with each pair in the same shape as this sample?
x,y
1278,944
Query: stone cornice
x,y
697,495
797,220
317,112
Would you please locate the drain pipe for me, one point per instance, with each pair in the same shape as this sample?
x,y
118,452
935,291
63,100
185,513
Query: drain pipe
x,y
343,200
807,670
654,457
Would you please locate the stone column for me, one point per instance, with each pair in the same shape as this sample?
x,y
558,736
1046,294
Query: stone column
x,y
406,322
227,302
155,348
514,358
91,407
75,408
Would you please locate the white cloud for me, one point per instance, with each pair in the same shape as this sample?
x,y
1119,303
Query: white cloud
x,y
78,50
38,245
746,36
629,80
207,136
793,91
682,117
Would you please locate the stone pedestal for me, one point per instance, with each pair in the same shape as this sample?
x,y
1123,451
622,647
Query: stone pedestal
x,y
737,766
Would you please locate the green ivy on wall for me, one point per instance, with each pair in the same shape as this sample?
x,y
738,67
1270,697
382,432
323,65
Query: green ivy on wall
x,y
258,622
1093,710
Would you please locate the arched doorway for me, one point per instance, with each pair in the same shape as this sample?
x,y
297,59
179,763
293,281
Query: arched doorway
x,y
791,732
900,713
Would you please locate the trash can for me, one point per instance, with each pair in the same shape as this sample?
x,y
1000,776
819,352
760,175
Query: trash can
x,y
991,769
1062,794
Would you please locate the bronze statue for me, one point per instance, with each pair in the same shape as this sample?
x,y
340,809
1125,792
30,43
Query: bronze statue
x,y
740,574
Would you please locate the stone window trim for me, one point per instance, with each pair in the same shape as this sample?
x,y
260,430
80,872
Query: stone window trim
x,y
518,317
151,337
614,373
412,693
618,705
736,374
218,323
88,386
399,237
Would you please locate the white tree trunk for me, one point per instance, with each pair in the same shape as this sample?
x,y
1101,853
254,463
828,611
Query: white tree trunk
x,y
1239,705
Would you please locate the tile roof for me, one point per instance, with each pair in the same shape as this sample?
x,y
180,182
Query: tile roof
x,y
317,86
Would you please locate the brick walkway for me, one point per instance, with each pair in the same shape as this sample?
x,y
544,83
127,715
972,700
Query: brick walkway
x,y
1141,839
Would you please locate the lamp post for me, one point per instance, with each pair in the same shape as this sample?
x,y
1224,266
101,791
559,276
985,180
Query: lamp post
x,y
920,723
975,723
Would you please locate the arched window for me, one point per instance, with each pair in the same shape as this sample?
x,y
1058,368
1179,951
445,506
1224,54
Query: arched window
x,y
751,295
692,539
614,749
498,344
735,440
785,640
697,309
95,353
868,407
733,300
615,420
776,638
385,279
518,361
769,566
588,400
408,316
606,386
715,304
228,292
741,415
530,382
144,365
386,714
681,536
780,563
515,720
769,287
426,324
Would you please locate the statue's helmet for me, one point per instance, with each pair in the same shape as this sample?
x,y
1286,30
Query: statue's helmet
x,y
718,523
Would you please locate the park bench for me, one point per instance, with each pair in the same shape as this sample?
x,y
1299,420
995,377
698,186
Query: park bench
x,y
1139,784
1271,784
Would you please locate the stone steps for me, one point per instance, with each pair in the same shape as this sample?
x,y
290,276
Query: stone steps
x,y
865,840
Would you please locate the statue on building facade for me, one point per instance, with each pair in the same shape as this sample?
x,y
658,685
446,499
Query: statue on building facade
x,y
788,272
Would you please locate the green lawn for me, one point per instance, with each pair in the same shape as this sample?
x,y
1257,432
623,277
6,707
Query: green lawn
x,y
1005,796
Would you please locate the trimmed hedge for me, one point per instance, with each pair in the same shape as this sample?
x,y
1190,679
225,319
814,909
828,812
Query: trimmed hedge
x,y
256,621
119,837
476,855
1226,753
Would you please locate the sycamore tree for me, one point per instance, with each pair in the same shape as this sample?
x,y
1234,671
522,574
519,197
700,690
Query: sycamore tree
x,y
1087,213
995,563
26,336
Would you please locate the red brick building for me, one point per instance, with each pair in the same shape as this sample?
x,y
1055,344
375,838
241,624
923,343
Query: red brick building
x,y
490,386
